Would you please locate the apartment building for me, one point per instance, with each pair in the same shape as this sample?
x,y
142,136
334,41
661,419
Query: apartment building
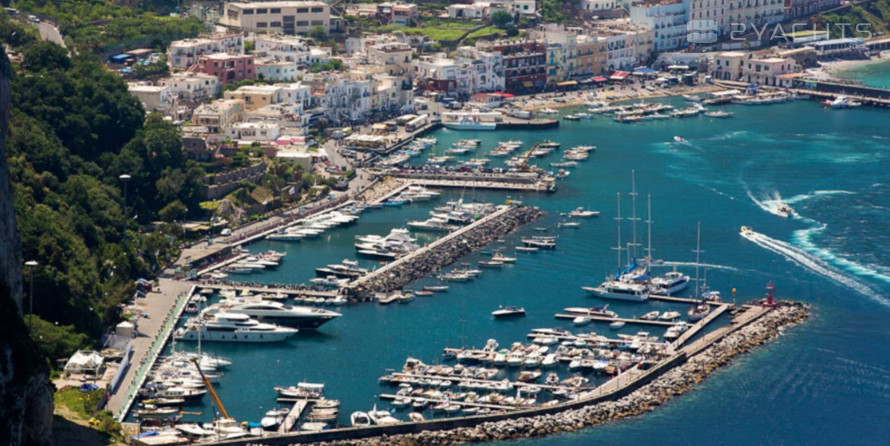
x,y
192,86
668,20
226,68
288,17
182,54
219,115
723,16
751,67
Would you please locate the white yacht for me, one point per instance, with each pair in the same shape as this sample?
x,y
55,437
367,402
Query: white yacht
x,y
232,327
580,212
615,289
303,318
508,311
432,224
670,283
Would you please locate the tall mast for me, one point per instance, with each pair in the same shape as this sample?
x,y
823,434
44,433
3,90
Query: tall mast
x,y
618,219
633,210
698,252
649,223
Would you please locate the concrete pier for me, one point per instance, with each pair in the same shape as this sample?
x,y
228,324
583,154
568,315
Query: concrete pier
x,y
295,413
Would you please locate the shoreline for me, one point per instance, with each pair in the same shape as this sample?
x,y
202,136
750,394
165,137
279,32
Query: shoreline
x,y
579,99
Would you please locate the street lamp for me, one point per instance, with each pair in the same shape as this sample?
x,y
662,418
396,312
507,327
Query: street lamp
x,y
125,178
31,264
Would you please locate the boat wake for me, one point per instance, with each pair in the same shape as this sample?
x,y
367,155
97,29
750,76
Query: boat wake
x,y
814,264
703,265
775,202
803,238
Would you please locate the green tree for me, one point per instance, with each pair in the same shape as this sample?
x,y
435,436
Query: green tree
x,y
45,56
318,34
501,19
56,341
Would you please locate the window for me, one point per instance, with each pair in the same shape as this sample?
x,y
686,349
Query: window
x,y
262,11
248,12
302,23
317,22
275,10
262,24
302,10
275,24
317,10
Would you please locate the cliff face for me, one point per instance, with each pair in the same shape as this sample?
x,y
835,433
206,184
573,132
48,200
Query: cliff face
x,y
26,401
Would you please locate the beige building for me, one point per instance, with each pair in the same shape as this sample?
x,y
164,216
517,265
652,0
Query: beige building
x,y
219,115
288,17
256,96
748,67
154,98
192,86
394,57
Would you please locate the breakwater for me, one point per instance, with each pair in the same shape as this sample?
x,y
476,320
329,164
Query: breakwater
x,y
674,376
444,251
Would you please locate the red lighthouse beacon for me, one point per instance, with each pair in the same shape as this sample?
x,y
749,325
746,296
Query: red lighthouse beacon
x,y
769,303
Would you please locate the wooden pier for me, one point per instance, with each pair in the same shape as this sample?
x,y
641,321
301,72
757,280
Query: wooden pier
x,y
684,300
616,319
295,413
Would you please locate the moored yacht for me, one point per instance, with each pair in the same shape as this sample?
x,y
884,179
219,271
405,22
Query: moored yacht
x,y
304,318
670,283
232,327
616,289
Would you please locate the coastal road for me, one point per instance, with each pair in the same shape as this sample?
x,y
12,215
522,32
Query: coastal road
x,y
50,33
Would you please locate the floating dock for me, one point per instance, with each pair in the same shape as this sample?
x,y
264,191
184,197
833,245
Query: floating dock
x,y
295,413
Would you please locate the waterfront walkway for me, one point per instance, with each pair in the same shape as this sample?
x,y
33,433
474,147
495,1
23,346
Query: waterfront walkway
x,y
162,307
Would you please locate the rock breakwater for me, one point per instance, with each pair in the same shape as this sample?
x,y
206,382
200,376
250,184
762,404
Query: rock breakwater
x,y
675,381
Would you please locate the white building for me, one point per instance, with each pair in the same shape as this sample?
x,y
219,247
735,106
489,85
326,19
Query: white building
x,y
287,115
723,16
276,70
599,5
296,92
396,58
667,18
219,115
153,97
288,17
439,73
286,48
182,54
253,131
486,69
192,86
340,97
748,67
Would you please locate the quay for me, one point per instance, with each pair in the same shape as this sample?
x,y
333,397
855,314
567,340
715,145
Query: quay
x,y
615,319
518,181
513,384
293,416
688,334
443,251
631,392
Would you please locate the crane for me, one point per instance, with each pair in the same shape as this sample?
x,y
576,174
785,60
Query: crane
x,y
523,165
219,404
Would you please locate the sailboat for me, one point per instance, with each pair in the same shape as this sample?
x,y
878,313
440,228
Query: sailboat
x,y
671,282
702,308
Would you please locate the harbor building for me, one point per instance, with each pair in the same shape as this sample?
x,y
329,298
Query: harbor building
x,y
748,67
668,19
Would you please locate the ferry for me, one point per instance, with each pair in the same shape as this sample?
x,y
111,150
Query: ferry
x,y
471,120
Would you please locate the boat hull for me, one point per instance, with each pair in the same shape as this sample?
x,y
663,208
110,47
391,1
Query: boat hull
x,y
470,126
246,337
605,294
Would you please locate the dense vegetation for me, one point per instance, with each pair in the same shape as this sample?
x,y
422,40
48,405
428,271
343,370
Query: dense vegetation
x,y
101,26
74,130
876,14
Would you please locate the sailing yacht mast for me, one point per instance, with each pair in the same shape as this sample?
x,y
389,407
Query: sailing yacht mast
x,y
633,218
698,252
618,219
649,223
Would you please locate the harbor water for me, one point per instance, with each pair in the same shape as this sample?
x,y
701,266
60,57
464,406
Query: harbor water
x,y
871,74
823,383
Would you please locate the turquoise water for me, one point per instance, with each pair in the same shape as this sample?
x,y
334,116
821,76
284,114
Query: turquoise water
x,y
823,383
873,74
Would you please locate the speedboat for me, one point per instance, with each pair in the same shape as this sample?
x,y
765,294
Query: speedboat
x,y
508,311
602,311
580,212
679,139
719,114
581,321
841,102
436,288
650,316
669,315
616,325
360,419
785,211
490,264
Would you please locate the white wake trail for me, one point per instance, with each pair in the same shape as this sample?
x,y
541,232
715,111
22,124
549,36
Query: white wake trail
x,y
814,264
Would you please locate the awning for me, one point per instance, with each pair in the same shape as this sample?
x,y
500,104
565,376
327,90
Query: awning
x,y
599,79
619,75
528,84
644,71
567,83
503,95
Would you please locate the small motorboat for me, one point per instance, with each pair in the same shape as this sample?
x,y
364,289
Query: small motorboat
x,y
526,248
581,321
508,311
580,212
498,257
424,293
669,315
650,316
416,417
679,139
568,224
616,325
490,264
785,211
436,288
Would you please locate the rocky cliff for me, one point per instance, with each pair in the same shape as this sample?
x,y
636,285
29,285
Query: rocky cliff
x,y
26,401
